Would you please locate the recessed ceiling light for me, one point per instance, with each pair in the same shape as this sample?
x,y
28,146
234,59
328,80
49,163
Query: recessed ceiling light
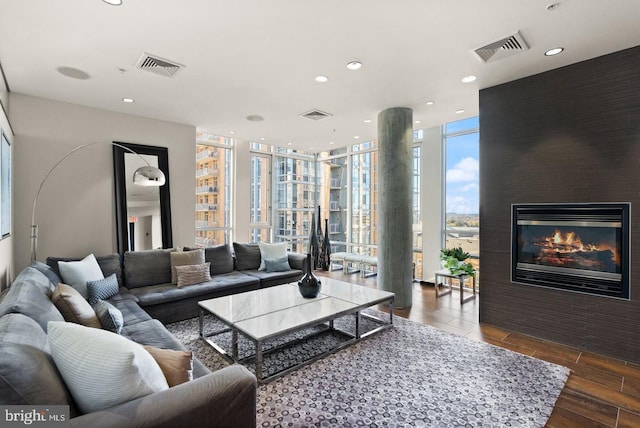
x,y
232,132
288,144
262,138
255,118
554,51
461,110
128,100
113,2
331,143
354,65
418,121
74,73
553,6
368,121
322,79
430,103
469,79
355,137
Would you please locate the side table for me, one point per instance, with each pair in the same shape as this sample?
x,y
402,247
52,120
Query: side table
x,y
444,279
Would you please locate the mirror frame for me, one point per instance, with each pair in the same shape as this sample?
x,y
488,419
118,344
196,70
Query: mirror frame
x,y
122,226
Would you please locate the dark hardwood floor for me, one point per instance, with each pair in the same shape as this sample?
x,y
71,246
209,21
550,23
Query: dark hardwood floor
x,y
601,391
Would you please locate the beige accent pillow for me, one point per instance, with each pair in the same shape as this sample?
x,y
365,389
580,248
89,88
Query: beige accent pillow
x,y
193,274
182,258
177,366
73,307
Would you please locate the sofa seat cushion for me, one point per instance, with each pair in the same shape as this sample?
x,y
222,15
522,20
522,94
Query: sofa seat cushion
x,y
28,375
153,333
162,293
269,279
132,313
31,299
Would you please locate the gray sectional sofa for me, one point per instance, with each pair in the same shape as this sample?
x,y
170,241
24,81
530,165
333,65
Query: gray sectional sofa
x,y
146,276
227,397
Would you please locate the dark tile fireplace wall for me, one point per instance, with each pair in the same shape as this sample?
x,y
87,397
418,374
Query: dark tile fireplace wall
x,y
567,135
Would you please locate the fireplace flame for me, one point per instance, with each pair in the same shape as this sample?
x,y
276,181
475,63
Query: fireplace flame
x,y
569,242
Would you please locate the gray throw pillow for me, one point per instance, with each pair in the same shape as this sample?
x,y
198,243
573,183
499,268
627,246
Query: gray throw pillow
x,y
110,317
277,265
102,289
247,256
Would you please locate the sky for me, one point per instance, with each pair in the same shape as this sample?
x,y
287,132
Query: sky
x,y
462,166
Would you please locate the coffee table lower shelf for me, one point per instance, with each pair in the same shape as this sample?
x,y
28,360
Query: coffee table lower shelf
x,y
322,327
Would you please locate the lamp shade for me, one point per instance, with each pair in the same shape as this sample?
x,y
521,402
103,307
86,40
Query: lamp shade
x,y
148,176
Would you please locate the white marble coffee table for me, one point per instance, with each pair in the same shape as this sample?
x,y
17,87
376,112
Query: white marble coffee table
x,y
269,313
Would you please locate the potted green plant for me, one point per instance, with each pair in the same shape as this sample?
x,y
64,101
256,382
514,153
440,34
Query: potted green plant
x,y
454,259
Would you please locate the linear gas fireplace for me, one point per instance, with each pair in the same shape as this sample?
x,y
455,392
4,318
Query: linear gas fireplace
x,y
573,247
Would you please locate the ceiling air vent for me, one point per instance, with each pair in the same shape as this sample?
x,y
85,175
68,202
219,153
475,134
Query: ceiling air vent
x,y
158,65
502,48
315,115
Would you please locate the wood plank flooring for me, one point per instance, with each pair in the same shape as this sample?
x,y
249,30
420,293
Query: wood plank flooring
x,y
601,391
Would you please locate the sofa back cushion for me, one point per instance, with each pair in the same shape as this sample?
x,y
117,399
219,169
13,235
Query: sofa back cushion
x,y
27,373
30,295
220,258
149,267
247,256
108,264
45,269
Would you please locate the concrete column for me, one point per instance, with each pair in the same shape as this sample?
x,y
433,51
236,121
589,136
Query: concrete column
x,y
395,154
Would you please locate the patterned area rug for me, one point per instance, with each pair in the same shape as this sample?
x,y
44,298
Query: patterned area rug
x,y
408,375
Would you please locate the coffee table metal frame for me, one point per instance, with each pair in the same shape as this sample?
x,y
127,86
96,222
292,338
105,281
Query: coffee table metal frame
x,y
264,307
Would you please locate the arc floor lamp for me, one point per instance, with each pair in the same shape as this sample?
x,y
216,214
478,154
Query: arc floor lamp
x,y
144,176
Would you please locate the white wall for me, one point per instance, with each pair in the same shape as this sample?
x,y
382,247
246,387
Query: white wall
x,y
431,176
76,208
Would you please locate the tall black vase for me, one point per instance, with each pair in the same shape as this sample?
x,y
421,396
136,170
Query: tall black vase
x,y
325,250
309,285
314,244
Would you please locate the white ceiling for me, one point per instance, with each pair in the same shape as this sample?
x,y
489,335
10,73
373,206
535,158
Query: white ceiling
x,y
260,57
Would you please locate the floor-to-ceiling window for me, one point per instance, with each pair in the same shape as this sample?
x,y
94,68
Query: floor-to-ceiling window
x,y
333,195
260,194
294,197
364,198
416,204
462,220
213,189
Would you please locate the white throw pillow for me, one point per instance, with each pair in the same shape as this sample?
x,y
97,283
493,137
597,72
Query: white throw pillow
x,y
76,274
271,251
100,368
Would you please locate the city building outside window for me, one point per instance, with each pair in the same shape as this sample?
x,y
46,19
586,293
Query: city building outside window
x,y
213,189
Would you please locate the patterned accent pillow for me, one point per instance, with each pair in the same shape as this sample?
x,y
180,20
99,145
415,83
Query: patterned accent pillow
x,y
184,258
73,307
102,369
177,366
277,265
110,317
101,289
193,274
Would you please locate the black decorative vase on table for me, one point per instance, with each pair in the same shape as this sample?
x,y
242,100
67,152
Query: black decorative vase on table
x,y
325,251
309,285
314,244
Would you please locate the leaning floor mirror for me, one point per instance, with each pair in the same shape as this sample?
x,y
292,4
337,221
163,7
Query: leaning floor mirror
x,y
143,214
